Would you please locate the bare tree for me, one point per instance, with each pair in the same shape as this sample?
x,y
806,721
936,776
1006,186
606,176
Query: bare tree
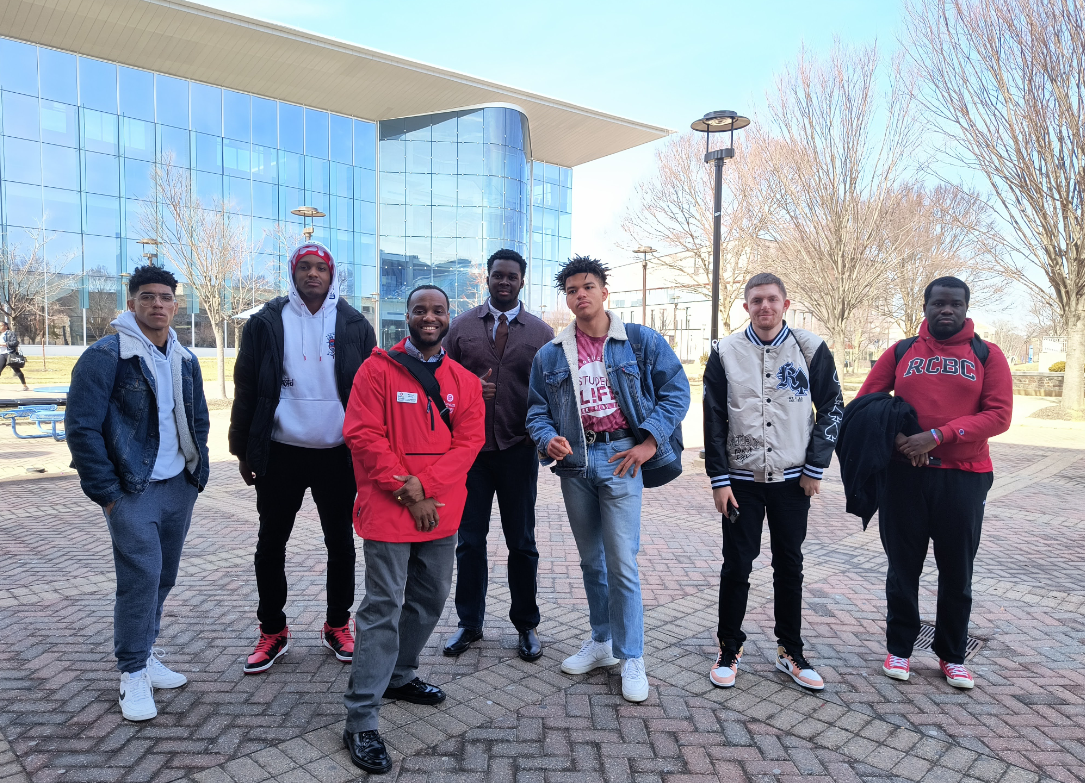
x,y
101,302
1003,78
29,278
833,165
207,243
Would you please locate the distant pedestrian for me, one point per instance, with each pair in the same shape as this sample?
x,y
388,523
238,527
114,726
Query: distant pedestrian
x,y
415,423
497,341
137,424
9,351
936,490
765,452
286,430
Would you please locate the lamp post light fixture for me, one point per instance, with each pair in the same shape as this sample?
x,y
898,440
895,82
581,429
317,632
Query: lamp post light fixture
x,y
718,122
151,254
643,252
307,212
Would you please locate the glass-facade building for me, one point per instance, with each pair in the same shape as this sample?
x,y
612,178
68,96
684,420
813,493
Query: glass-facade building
x,y
406,201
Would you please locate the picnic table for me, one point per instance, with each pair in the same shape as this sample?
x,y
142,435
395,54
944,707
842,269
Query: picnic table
x,y
62,389
39,415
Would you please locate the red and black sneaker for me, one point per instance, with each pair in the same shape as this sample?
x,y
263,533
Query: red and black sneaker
x,y
340,641
268,650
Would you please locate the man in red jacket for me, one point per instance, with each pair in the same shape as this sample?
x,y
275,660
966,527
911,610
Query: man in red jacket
x,y
937,485
411,451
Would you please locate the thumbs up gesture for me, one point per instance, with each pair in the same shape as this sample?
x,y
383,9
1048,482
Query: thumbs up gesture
x,y
489,390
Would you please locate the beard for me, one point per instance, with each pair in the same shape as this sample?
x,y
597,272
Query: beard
x,y
939,332
422,341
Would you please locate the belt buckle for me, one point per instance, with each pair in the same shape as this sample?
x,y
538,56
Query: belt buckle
x,y
589,435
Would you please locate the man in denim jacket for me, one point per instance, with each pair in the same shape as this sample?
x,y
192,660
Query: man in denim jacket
x,y
137,428
594,401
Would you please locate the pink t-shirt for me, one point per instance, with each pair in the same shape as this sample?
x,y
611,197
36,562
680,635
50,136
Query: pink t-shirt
x,y
599,409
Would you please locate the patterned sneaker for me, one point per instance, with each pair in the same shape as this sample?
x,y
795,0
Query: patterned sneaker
x,y
161,676
137,696
634,680
725,669
799,669
897,668
267,651
956,675
592,655
340,641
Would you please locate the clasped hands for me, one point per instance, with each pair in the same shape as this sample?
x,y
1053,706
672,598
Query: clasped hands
x,y
558,449
915,447
423,509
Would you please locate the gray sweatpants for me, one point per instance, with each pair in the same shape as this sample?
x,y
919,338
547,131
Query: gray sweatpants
x,y
406,585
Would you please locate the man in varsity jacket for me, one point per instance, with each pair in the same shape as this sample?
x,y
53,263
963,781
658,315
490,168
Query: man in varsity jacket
x,y
936,488
765,453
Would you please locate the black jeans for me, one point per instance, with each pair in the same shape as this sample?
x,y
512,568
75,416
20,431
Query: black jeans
x,y
945,506
787,508
279,492
16,370
512,473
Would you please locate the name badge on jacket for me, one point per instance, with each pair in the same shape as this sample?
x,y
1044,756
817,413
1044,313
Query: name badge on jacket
x,y
406,397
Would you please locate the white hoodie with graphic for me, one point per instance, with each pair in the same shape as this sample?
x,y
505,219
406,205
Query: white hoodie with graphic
x,y
310,413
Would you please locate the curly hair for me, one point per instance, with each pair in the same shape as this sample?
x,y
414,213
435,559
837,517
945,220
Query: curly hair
x,y
505,254
581,265
149,273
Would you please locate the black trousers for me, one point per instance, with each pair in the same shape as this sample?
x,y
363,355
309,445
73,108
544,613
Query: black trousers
x,y
16,370
513,474
930,504
787,508
279,493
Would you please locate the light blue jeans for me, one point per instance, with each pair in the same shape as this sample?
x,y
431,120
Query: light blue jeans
x,y
604,514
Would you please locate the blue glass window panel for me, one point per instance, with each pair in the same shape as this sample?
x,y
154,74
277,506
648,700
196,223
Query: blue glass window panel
x,y
565,199
393,188
103,215
58,76
495,159
238,195
235,115
342,180
418,252
365,251
101,174
175,141
565,177
393,220
494,125
206,109
60,167
418,157
493,223
469,222
265,164
291,127
444,190
100,255
265,122
392,129
18,67
365,185
537,192
444,222
263,200
515,164
319,200
342,214
365,217
59,124
235,158
291,170
565,225
470,250
393,155
552,174
100,132
316,133
20,116
65,252
208,188
208,153
493,193
537,218
137,179
290,198
133,225
137,93
61,209
443,127
470,191
98,85
137,138
341,139
444,248
171,100
317,175
418,189
365,144
514,129
471,126
22,205
443,157
418,221
471,158
23,159
263,236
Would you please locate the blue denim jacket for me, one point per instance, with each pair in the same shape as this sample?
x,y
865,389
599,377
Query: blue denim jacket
x,y
111,421
653,394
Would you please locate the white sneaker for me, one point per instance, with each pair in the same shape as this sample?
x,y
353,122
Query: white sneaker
x,y
592,655
162,677
799,669
137,696
634,680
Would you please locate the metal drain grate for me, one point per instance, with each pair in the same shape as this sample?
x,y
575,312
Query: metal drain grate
x,y
926,639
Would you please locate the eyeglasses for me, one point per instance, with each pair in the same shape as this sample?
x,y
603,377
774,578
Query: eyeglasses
x,y
147,299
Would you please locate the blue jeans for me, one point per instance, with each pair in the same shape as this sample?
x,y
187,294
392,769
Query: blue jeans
x,y
604,514
148,532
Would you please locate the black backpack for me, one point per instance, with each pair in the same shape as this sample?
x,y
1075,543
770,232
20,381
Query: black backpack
x,y
979,348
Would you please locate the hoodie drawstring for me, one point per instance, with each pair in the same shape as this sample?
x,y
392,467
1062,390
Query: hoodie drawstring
x,y
319,337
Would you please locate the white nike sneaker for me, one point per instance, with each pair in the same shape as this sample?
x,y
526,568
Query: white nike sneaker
x,y
137,696
161,676
634,680
592,655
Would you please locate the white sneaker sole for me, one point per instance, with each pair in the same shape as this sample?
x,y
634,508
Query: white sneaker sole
x,y
171,683
896,674
637,697
612,661
138,716
964,685
718,683
783,667
340,656
270,663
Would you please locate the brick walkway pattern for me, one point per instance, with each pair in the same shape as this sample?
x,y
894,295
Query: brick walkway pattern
x,y
507,720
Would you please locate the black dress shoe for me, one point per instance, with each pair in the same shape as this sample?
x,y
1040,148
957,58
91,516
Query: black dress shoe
x,y
530,647
367,751
416,692
460,640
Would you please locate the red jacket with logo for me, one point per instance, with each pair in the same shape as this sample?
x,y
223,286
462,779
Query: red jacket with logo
x,y
950,389
392,430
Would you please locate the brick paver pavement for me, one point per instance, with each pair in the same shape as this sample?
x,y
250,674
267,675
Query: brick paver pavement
x,y
509,720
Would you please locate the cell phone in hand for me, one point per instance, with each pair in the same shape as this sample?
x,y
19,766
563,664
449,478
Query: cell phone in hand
x,y
732,513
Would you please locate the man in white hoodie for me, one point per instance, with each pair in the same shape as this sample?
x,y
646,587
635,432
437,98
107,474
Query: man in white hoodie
x,y
137,429
292,380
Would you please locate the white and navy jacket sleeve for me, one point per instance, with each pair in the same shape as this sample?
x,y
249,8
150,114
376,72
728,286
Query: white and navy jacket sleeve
x,y
716,422
828,403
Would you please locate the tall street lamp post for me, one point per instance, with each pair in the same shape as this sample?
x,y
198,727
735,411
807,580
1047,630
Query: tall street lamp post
x,y
643,252
718,122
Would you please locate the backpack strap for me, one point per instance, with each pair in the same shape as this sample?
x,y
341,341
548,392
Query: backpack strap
x,y
979,348
427,381
901,348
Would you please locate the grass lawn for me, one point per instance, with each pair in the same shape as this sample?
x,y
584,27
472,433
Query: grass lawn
x,y
57,370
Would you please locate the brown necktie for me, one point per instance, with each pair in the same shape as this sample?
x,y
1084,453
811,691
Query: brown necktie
x,y
502,335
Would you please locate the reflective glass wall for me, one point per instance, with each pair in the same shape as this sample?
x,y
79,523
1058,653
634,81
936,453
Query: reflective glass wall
x,y
453,189
551,232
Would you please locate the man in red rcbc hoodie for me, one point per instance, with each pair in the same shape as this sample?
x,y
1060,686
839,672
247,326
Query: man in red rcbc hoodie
x,y
937,485
411,470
